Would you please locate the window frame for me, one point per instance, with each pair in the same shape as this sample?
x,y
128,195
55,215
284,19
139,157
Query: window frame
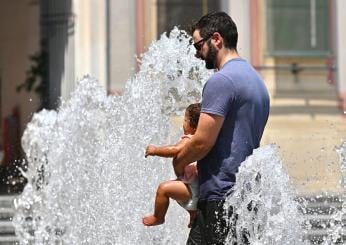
x,y
270,51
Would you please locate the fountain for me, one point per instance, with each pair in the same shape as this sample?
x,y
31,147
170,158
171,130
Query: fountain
x,y
88,180
264,201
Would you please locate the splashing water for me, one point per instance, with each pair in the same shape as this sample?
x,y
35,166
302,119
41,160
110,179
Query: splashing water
x,y
268,211
337,223
88,180
264,201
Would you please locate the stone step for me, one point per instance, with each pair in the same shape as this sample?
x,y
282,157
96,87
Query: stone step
x,y
322,201
301,94
7,230
6,214
320,237
324,222
318,214
323,210
323,198
8,240
7,201
321,206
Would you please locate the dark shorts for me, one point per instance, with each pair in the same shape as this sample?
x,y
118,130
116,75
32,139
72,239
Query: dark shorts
x,y
212,224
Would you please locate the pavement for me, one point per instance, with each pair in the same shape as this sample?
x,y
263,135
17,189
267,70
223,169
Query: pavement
x,y
308,127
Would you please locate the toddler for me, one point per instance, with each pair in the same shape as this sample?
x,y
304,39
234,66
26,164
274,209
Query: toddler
x,y
185,188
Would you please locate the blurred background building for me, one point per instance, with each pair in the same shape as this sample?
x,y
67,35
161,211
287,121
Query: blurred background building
x,y
298,46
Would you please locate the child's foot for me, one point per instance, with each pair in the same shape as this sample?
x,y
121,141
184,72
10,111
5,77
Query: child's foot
x,y
190,224
152,220
193,215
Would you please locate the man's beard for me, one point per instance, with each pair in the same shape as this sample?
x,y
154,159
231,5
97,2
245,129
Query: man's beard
x,y
210,59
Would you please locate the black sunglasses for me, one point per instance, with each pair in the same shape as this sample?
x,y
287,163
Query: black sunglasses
x,y
200,43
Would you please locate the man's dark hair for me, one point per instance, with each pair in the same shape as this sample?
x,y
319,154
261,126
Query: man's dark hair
x,y
194,111
218,22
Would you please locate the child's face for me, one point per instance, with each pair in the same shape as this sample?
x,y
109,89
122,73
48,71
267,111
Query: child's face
x,y
186,124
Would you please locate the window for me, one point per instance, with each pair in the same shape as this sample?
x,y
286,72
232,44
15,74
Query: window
x,y
297,27
182,13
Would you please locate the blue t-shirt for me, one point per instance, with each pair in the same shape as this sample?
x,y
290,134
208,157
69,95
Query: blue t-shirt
x,y
237,93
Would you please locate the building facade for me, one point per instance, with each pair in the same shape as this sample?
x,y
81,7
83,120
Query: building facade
x,y
296,45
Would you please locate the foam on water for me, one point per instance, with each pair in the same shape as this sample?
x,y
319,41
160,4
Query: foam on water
x,y
88,180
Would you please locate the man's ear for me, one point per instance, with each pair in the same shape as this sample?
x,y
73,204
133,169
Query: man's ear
x,y
218,40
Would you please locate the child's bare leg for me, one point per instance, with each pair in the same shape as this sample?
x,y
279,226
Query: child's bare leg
x,y
174,189
193,214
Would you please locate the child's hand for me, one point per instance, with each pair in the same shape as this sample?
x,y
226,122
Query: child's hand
x,y
150,150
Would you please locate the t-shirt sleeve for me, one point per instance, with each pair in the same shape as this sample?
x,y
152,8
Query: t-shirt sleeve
x,y
218,95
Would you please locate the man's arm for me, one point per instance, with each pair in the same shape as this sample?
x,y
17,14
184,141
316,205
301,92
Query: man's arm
x,y
208,129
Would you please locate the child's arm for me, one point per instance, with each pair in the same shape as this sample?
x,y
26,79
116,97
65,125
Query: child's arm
x,y
165,151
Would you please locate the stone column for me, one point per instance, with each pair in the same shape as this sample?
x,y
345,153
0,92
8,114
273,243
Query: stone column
x,y
150,22
91,39
341,52
57,30
68,79
123,42
98,41
240,13
82,38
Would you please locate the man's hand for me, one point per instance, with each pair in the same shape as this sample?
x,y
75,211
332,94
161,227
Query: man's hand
x,y
150,151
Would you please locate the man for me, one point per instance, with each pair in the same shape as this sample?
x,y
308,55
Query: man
x,y
235,109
